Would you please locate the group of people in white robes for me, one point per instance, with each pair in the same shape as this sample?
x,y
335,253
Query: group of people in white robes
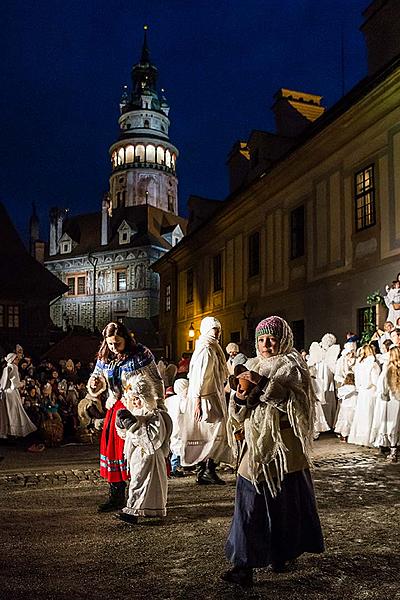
x,y
358,392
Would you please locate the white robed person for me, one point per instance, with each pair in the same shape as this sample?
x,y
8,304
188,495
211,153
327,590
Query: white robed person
x,y
146,429
15,421
203,425
323,357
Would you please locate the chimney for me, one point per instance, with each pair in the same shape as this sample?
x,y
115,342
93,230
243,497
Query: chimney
x,y
106,208
294,111
38,249
57,216
381,29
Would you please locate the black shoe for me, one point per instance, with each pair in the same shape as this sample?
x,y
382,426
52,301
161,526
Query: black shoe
x,y
116,498
126,517
210,477
241,575
177,473
110,505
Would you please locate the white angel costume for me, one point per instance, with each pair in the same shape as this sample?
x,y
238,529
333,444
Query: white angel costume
x,y
392,300
146,448
347,395
18,423
387,419
366,374
345,363
323,357
175,406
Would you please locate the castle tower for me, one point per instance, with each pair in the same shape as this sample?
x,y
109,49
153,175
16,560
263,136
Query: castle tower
x,y
143,159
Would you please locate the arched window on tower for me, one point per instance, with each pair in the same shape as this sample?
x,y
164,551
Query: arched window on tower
x,y
150,153
168,158
139,153
146,124
160,155
173,160
130,154
121,156
114,159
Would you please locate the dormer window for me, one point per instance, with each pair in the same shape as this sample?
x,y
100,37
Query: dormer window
x,y
65,244
125,232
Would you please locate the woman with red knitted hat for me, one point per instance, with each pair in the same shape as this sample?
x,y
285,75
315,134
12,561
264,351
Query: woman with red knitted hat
x,y
275,517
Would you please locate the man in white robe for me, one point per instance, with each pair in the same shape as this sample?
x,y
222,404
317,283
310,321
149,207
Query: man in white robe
x,y
203,425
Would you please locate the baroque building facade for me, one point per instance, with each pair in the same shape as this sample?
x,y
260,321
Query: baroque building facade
x,y
104,257
312,224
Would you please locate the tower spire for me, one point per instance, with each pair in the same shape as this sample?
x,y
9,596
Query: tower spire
x,y
145,57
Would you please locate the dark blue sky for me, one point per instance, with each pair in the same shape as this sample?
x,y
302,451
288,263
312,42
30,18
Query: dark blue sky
x,y
64,64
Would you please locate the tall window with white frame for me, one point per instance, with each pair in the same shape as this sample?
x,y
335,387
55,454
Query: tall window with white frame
x,y
254,254
364,194
121,281
217,273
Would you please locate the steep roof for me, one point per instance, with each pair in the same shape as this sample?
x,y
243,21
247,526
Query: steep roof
x,y
149,222
22,277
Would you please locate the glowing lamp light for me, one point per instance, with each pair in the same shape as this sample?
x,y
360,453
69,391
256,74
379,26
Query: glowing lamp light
x,y
191,331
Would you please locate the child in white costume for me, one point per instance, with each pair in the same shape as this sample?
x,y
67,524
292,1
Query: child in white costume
x,y
388,397
366,374
147,431
347,395
175,406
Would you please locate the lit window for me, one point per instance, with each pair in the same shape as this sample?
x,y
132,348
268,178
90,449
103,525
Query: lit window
x,y
71,286
364,184
13,317
254,254
81,286
168,298
121,281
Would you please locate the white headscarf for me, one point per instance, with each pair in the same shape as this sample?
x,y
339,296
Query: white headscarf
x,y
209,339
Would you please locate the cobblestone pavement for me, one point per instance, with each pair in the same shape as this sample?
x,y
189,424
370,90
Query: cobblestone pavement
x,y
56,546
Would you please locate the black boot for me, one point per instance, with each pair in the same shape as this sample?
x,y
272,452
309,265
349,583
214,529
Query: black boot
x,y
116,497
241,575
210,474
200,470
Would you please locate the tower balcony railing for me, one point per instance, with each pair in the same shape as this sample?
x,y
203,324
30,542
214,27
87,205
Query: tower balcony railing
x,y
144,165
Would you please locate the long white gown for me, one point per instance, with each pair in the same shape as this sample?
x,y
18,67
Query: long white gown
x,y
388,415
207,438
19,424
366,374
146,448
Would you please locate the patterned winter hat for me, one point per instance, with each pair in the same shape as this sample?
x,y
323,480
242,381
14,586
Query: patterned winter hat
x,y
278,328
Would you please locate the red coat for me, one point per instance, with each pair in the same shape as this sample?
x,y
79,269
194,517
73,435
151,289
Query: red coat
x,y
113,465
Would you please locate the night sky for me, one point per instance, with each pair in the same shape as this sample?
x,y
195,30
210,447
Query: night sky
x,y
64,63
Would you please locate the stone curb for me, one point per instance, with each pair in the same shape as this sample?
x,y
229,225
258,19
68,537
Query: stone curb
x,y
60,477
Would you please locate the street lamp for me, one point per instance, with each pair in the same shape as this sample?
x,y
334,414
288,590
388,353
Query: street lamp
x,y
191,331
93,260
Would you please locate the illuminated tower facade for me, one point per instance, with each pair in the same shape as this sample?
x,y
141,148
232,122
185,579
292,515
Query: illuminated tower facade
x,y
143,159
